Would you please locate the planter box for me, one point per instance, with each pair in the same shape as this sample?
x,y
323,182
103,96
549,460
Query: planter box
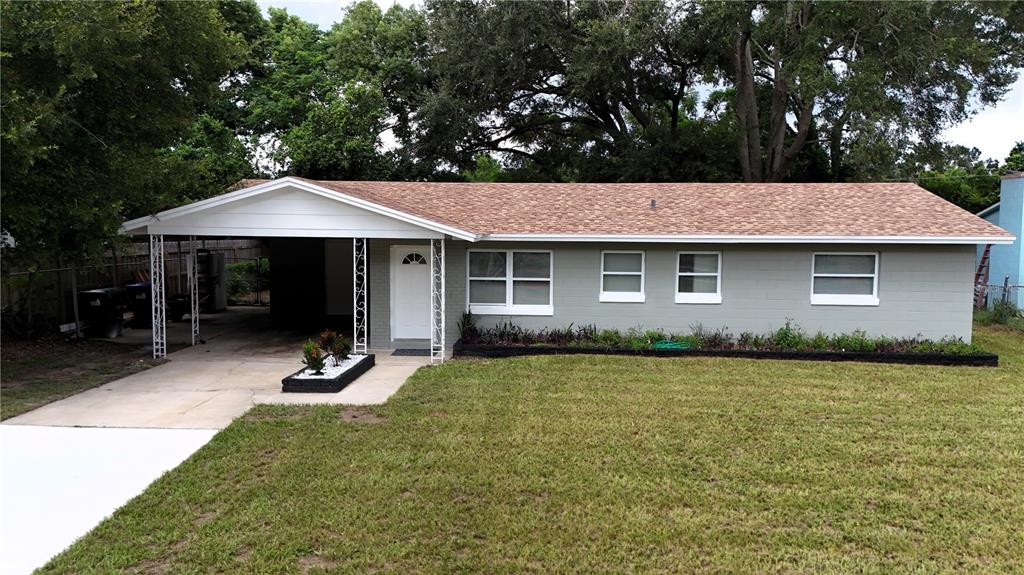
x,y
974,360
293,384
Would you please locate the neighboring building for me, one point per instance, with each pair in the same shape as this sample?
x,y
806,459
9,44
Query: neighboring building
x,y
1006,261
891,259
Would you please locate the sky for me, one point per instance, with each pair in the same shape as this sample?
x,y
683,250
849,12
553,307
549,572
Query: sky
x,y
993,130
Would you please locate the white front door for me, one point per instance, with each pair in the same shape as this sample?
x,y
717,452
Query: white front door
x,y
410,292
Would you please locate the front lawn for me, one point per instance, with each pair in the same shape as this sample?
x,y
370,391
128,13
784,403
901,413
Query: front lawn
x,y
606,464
34,373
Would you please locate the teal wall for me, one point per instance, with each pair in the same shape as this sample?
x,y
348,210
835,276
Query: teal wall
x,y
1008,260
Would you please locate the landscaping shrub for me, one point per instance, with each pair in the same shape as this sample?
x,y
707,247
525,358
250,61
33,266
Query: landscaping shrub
x,y
1003,312
340,349
856,341
313,357
789,337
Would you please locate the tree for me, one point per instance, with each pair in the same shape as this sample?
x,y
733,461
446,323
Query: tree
x,y
340,138
91,91
575,90
868,76
386,49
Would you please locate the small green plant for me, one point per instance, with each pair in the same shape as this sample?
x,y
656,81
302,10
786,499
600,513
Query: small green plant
x,y
313,357
468,332
327,339
951,345
789,336
341,347
819,342
858,340
1003,312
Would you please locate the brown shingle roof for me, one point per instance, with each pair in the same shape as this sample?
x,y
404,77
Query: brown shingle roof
x,y
688,209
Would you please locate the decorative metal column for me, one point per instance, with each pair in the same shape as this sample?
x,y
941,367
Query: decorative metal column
x,y
359,295
437,292
192,264
158,297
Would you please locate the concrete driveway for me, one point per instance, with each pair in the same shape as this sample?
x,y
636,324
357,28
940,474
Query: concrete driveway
x,y
208,386
57,483
61,474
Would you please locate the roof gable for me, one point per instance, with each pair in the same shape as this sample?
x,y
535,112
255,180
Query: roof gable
x,y
288,208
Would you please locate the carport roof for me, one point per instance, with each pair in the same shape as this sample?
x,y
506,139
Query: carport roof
x,y
719,212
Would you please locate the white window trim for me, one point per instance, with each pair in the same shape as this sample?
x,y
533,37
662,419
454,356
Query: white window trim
x,y
624,296
701,298
508,308
845,299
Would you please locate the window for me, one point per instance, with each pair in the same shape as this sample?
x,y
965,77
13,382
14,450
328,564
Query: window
x,y
510,282
698,277
844,279
622,276
414,259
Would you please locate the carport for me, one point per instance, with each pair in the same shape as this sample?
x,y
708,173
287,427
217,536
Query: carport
x,y
295,209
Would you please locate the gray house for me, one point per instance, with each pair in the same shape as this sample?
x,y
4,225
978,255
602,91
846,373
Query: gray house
x,y
406,259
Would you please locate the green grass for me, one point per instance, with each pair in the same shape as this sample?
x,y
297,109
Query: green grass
x,y
607,465
988,317
33,374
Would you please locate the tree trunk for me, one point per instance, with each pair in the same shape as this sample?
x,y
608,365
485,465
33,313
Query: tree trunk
x,y
747,112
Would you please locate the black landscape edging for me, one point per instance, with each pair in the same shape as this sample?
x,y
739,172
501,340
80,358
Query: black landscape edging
x,y
905,357
291,384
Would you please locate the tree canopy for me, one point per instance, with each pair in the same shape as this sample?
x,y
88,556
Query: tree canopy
x,y
116,109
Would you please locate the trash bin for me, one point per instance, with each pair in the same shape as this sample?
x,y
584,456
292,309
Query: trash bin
x,y
140,303
178,307
103,309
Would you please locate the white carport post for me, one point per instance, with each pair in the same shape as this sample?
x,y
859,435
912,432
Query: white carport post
x,y
158,295
437,291
359,295
192,265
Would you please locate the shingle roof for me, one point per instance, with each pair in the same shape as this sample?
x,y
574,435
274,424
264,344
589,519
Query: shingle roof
x,y
686,209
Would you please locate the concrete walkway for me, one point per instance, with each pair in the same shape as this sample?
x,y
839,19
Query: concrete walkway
x,y
208,386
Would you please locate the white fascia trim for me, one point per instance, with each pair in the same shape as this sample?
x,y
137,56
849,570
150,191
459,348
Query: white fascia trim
x,y
737,239
305,186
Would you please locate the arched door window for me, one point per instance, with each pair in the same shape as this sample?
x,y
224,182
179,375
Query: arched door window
x,y
414,259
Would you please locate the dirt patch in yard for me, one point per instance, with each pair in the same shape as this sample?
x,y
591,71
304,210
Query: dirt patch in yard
x,y
359,415
315,563
34,373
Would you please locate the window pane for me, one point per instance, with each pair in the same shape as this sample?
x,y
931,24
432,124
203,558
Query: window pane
x,y
853,286
844,264
698,263
622,283
698,284
487,291
623,262
531,265
531,293
487,264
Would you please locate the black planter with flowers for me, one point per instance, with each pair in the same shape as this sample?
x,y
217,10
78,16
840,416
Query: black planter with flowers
x,y
297,383
330,366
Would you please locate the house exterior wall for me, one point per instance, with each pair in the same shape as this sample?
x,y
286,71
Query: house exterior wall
x,y
1007,261
379,293
922,289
